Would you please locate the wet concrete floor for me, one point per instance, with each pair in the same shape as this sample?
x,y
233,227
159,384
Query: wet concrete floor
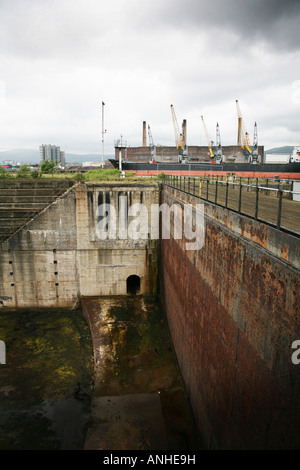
x,y
139,402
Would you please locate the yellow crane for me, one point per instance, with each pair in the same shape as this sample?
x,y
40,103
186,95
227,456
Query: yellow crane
x,y
211,153
179,138
243,136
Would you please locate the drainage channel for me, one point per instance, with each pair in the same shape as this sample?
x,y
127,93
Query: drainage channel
x,y
139,402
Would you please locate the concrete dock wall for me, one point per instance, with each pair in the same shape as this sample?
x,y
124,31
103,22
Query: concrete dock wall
x,y
104,265
232,303
233,313
57,257
38,262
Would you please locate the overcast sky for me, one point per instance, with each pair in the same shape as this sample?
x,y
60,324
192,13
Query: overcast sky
x,y
61,58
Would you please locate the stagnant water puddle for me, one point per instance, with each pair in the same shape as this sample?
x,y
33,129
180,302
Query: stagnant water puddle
x,y
56,392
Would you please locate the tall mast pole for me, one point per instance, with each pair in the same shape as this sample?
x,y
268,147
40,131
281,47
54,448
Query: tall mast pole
x,y
103,104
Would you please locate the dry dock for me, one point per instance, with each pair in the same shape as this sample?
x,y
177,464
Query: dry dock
x,y
139,402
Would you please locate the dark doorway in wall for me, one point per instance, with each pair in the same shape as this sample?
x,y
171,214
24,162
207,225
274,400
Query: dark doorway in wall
x,y
133,285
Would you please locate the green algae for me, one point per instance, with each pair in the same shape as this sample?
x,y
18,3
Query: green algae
x,y
136,352
49,361
139,401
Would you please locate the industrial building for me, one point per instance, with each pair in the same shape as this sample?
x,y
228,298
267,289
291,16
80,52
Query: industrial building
x,y
213,152
53,154
171,154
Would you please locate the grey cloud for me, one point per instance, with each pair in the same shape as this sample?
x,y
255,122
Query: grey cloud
x,y
274,22
52,29
73,29
65,56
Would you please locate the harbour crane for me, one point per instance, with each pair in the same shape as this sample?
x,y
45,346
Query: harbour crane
x,y
219,157
243,136
255,145
209,142
179,138
151,145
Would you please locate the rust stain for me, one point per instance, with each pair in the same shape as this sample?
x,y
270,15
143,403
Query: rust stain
x,y
231,325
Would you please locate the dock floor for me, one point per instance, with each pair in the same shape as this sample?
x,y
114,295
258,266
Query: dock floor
x,y
139,402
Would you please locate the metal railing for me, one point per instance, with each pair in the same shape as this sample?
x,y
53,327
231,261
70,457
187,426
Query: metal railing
x,y
269,201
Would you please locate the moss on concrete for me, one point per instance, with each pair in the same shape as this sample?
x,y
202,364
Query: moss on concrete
x,y
49,361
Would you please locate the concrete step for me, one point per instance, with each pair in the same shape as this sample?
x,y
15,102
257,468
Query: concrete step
x,y
26,199
21,200
8,233
39,191
23,205
18,213
35,184
13,227
46,192
12,223
7,230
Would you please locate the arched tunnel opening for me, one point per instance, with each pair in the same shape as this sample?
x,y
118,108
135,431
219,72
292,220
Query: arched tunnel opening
x,y
133,284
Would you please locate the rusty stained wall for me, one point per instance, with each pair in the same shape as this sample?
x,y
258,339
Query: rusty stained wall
x,y
233,313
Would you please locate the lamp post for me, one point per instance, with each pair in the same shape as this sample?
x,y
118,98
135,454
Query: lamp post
x,y
103,132
120,156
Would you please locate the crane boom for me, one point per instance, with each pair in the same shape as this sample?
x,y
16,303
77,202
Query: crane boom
x,y
255,145
207,138
179,138
177,134
151,144
219,157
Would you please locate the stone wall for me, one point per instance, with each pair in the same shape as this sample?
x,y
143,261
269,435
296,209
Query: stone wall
x,y
232,305
57,257
233,313
104,265
38,263
21,200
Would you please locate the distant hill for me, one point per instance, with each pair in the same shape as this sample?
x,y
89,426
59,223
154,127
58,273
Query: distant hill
x,y
89,157
287,149
33,156
21,155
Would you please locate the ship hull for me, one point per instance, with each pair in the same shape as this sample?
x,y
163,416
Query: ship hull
x,y
265,170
